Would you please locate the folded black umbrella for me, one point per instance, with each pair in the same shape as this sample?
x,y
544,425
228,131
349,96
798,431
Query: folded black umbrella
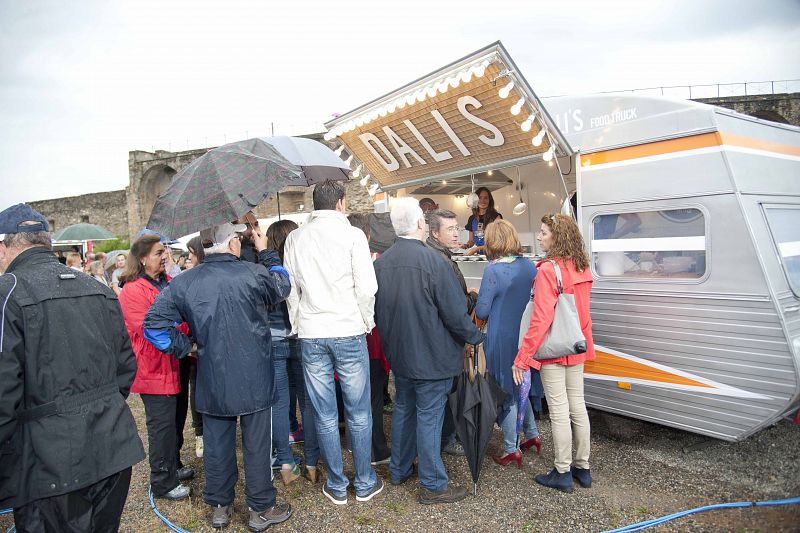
x,y
475,404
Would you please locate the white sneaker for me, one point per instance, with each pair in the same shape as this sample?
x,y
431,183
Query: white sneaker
x,y
198,446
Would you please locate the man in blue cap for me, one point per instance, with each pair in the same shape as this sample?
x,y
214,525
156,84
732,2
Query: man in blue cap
x,y
68,437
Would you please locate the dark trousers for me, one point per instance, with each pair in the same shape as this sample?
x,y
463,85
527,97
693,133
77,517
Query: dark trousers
x,y
294,370
181,407
197,418
219,459
449,423
159,410
95,508
377,378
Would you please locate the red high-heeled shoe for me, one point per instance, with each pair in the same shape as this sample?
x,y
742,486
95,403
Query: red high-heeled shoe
x,y
530,443
503,460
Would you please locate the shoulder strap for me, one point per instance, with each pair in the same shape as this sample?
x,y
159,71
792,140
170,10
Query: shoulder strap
x,y
558,276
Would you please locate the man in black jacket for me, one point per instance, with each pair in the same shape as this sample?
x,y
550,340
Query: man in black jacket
x,y
67,437
424,325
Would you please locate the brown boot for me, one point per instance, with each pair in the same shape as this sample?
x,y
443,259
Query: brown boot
x,y
290,474
312,474
280,512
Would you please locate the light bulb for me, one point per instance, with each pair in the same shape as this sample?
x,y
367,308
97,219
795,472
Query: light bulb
x,y
400,103
373,114
516,108
505,91
357,171
490,173
465,75
410,99
550,163
349,160
383,111
430,91
548,155
480,70
373,189
444,182
420,95
328,136
527,124
364,180
391,106
442,86
453,81
520,208
339,150
472,200
537,141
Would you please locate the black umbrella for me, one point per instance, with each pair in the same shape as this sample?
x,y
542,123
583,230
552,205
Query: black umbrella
x,y
476,402
221,186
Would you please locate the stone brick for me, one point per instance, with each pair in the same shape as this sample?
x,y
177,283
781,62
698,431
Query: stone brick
x,y
106,209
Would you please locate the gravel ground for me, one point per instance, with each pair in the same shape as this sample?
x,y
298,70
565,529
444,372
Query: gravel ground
x,y
641,471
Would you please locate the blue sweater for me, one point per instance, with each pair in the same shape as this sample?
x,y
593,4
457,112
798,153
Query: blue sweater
x,y
505,291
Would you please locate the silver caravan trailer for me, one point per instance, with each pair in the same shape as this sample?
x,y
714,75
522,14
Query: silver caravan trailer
x,y
692,216
691,213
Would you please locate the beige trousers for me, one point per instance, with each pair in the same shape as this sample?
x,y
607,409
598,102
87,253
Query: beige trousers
x,y
563,388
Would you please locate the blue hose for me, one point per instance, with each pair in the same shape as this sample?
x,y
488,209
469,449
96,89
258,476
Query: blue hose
x,y
164,519
656,521
6,511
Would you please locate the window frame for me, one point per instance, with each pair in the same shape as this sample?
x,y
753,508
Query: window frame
x,y
775,245
654,209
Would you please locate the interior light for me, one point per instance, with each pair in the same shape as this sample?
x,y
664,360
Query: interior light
x,y
357,171
465,75
550,163
364,180
453,81
400,103
420,95
490,173
505,91
391,106
373,189
516,108
430,91
410,99
383,111
444,182
548,155
480,70
328,136
339,150
527,124
537,141
521,207
349,160
442,87
373,114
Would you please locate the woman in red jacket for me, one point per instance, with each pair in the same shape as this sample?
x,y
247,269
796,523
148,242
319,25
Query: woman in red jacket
x,y
157,376
562,378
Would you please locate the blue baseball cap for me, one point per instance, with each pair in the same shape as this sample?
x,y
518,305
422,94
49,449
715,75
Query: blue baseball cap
x,y
18,218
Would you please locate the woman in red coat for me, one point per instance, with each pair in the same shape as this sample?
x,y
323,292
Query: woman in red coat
x,y
157,375
562,377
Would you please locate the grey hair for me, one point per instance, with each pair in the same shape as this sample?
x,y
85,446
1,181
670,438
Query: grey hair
x,y
28,239
405,215
221,248
434,218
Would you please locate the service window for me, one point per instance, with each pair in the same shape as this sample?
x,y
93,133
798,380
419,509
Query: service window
x,y
784,224
650,244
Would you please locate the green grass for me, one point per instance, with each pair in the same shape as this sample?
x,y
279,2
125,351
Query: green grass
x,y
641,511
364,520
396,507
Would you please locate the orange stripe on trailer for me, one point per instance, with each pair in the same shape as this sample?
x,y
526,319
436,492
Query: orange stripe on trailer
x,y
758,144
606,364
692,142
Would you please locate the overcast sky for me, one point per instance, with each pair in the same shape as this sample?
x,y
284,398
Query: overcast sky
x,y
83,83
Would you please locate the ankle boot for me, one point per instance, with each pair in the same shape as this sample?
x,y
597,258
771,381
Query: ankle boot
x,y
312,474
290,474
556,480
582,475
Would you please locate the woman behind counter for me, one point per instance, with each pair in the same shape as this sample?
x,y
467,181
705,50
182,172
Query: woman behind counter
x,y
505,291
481,217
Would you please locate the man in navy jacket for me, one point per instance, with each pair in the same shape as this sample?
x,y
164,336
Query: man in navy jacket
x,y
424,325
224,301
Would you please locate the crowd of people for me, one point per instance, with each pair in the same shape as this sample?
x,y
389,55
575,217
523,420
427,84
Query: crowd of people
x,y
254,324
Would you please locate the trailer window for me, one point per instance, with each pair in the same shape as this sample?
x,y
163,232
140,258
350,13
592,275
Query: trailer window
x,y
784,224
650,244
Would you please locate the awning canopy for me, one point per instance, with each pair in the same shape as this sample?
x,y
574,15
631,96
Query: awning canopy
x,y
471,116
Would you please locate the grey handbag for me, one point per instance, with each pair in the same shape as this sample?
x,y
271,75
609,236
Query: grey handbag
x,y
564,336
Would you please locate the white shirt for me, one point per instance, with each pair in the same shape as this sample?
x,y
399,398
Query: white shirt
x,y
333,280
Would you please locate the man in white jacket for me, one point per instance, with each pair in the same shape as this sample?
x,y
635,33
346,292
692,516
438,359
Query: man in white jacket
x,y
331,308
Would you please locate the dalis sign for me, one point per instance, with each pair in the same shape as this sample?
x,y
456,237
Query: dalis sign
x,y
450,132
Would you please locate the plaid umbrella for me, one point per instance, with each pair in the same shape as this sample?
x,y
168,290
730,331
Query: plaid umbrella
x,y
220,186
317,161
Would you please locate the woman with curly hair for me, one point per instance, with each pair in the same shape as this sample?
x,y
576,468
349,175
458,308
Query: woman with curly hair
x,y
562,377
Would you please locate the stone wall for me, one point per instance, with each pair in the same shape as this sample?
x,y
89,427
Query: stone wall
x,y
784,108
106,209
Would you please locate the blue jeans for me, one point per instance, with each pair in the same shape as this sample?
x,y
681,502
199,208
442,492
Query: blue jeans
x,y
417,429
348,357
509,423
280,405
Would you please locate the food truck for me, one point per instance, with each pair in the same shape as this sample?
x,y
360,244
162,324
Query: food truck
x,y
691,216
